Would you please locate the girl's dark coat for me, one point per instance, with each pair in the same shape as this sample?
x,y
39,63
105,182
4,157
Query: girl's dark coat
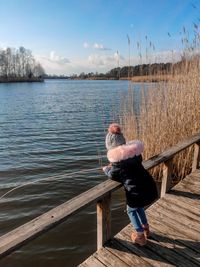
x,y
140,188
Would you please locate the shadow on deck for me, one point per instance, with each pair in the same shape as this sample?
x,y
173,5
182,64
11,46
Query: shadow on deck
x,y
175,233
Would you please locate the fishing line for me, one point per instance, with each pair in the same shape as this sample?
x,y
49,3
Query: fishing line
x,y
100,118
100,157
48,179
99,154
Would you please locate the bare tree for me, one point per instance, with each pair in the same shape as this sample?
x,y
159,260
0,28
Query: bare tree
x,y
19,63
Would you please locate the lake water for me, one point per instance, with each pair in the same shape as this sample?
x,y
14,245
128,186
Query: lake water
x,y
51,130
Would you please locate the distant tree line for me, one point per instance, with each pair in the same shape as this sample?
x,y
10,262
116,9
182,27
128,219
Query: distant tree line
x,y
19,64
55,76
140,70
128,71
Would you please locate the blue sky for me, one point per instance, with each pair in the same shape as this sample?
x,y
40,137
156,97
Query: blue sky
x,y
73,36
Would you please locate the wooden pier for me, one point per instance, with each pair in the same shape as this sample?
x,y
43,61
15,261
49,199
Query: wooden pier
x,y
174,220
175,233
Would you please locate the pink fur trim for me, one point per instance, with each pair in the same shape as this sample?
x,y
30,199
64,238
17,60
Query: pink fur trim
x,y
131,149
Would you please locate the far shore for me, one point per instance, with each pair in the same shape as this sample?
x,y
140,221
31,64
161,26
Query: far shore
x,y
138,79
14,80
142,78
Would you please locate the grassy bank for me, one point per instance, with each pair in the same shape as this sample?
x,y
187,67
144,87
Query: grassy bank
x,y
14,80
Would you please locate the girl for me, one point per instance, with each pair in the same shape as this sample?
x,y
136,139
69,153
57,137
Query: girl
x,y
126,167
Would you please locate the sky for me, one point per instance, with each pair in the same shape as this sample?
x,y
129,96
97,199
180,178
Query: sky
x,y
73,36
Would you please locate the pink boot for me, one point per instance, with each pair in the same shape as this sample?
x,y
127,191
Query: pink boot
x,y
139,238
146,230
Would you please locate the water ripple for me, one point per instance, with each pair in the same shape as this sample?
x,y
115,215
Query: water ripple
x,y
52,131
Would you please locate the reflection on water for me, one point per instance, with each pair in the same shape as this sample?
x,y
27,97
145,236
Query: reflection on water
x,y
50,130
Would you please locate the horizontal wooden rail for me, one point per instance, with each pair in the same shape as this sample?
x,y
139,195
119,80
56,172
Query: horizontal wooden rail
x,y
100,194
171,152
53,217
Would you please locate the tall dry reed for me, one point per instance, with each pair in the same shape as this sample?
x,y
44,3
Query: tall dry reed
x,y
168,113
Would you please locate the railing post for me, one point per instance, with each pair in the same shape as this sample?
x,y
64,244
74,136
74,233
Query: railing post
x,y
196,158
103,220
167,177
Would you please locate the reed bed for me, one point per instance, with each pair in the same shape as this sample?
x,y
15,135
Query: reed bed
x,y
153,78
169,111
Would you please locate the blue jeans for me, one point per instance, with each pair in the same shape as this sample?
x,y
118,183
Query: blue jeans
x,y
137,217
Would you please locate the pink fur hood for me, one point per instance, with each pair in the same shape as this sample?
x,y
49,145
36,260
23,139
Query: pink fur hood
x,y
123,152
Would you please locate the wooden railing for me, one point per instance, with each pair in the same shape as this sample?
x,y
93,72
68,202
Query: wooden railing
x,y
100,194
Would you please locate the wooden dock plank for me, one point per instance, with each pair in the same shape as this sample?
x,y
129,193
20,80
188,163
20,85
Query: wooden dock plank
x,y
177,244
195,173
124,253
190,183
180,210
165,213
169,230
109,259
176,198
166,251
91,262
175,237
148,255
192,187
176,223
192,178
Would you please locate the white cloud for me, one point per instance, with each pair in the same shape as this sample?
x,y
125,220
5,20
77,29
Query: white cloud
x,y
95,60
53,63
96,46
100,47
57,58
108,61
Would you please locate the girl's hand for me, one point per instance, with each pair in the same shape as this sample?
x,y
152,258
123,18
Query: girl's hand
x,y
104,168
